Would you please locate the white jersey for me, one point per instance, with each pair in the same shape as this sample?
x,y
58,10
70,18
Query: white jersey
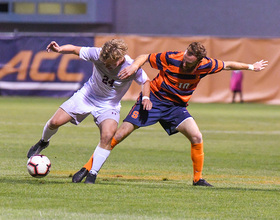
x,y
104,86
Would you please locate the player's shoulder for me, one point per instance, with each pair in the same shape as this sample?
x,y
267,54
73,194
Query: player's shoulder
x,y
91,49
90,53
171,53
207,60
174,55
174,52
211,63
167,55
128,59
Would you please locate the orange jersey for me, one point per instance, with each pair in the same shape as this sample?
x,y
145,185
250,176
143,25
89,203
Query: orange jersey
x,y
172,83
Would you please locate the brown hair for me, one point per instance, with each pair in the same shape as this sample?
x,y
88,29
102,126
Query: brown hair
x,y
197,49
114,49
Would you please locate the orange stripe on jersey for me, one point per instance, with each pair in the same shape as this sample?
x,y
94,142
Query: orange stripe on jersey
x,y
153,64
172,83
179,58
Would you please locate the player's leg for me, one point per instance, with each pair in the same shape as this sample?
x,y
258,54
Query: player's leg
x,y
123,131
190,129
103,150
130,123
58,119
107,129
75,109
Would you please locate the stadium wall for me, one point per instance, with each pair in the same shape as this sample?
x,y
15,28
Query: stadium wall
x,y
27,69
260,87
238,18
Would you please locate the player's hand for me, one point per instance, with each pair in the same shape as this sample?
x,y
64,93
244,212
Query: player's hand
x,y
53,46
260,65
147,104
127,72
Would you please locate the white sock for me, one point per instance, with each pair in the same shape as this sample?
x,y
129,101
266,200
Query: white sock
x,y
48,133
99,158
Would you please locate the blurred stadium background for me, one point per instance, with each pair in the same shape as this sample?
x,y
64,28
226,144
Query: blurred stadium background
x,y
241,30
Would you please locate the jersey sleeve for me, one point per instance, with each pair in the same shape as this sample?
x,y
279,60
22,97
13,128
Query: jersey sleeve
x,y
210,65
156,60
140,76
90,53
166,61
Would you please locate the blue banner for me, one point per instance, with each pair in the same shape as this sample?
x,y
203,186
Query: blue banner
x,y
26,69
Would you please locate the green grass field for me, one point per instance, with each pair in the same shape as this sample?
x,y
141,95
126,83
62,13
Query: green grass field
x,y
148,175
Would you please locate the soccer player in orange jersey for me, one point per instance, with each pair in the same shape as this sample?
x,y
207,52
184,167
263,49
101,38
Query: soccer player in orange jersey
x,y
179,74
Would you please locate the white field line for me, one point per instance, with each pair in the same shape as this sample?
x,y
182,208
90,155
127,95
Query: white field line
x,y
151,128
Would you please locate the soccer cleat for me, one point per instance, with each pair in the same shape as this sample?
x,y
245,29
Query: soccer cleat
x,y
37,148
79,176
90,178
202,182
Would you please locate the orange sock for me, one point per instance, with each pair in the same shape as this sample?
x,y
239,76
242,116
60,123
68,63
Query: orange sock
x,y
88,165
197,156
114,142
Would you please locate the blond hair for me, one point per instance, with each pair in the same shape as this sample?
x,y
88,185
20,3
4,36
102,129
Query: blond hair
x,y
114,49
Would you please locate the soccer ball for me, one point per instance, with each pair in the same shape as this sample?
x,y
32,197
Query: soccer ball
x,y
38,166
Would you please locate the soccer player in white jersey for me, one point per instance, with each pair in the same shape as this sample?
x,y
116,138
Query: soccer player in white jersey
x,y
100,96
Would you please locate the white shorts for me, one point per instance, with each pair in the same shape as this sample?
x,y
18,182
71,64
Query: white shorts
x,y
79,107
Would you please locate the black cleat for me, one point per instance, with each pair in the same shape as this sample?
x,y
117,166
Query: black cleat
x,y
90,178
202,182
80,175
37,148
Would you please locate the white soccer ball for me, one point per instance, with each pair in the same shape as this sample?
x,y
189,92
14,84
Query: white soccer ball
x,y
38,166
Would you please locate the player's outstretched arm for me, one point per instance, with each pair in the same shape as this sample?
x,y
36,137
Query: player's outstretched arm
x,y
146,102
233,65
65,49
138,62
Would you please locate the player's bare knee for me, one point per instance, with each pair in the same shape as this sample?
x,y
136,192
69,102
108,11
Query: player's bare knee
x,y
53,124
106,137
125,130
197,138
119,136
